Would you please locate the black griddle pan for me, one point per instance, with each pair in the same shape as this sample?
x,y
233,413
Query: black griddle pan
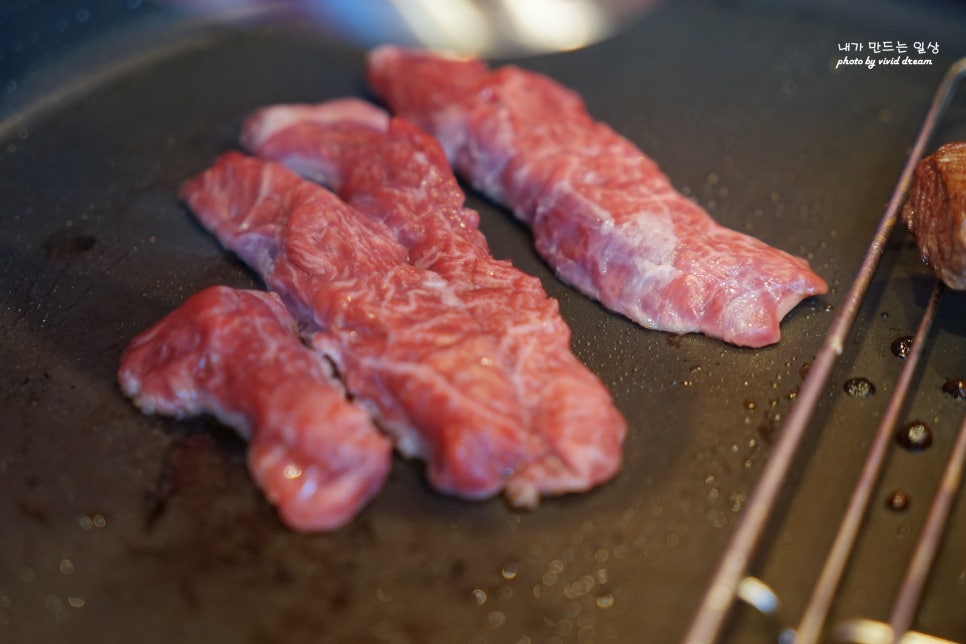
x,y
116,526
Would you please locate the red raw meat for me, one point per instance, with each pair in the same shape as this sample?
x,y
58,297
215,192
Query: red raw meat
x,y
602,213
401,340
935,212
394,172
235,355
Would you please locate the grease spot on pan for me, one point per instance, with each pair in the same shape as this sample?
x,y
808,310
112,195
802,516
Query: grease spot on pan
x,y
859,387
898,501
68,244
915,437
955,387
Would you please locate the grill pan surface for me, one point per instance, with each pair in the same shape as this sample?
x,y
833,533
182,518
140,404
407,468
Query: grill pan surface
x,y
115,526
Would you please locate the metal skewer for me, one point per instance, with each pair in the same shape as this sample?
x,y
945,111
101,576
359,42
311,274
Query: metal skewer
x,y
907,600
911,590
810,627
721,592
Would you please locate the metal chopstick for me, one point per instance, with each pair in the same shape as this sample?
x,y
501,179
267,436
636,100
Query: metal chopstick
x,y
907,601
717,601
810,627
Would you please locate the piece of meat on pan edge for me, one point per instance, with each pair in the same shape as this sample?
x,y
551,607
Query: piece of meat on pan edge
x,y
234,354
603,215
935,212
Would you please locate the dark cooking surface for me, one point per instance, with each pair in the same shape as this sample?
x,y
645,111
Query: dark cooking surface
x,y
120,527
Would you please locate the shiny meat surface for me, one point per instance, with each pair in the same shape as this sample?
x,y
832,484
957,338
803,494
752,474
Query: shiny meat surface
x,y
402,341
393,172
935,212
603,215
235,355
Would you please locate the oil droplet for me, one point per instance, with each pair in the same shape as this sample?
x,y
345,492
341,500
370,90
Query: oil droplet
x,y
496,619
803,372
902,346
955,387
859,387
915,436
580,587
898,501
605,601
53,603
479,596
510,570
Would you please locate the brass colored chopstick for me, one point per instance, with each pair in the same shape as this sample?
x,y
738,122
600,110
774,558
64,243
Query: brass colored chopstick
x,y
719,597
813,619
907,601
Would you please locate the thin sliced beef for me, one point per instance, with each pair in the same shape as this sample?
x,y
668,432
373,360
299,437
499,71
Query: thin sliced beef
x,y
235,355
395,173
935,212
602,213
401,340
